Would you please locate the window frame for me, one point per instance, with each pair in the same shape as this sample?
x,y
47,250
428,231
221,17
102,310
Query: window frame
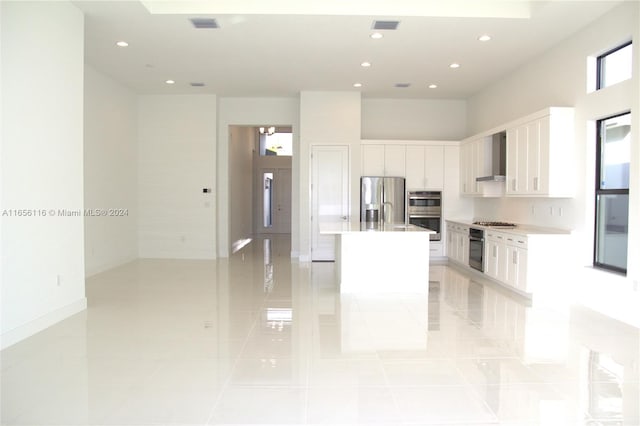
x,y
599,191
599,58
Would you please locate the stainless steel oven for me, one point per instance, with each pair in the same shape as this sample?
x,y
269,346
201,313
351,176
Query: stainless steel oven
x,y
424,209
476,249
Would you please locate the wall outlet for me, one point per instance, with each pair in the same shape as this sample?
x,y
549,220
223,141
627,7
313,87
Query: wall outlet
x,y
551,211
533,210
560,211
58,280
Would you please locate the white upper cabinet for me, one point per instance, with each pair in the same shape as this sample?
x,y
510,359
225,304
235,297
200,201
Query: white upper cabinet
x,y
540,155
425,167
394,160
383,160
474,163
373,160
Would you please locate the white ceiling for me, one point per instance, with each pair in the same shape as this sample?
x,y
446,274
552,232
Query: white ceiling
x,y
282,47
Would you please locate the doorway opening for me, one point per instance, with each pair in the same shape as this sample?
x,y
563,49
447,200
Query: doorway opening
x,y
260,188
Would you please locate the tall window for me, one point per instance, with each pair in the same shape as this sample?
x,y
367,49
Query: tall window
x,y
614,66
612,192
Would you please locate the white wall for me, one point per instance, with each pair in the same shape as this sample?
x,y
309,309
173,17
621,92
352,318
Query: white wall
x,y
42,107
251,112
327,118
242,141
110,172
559,78
176,160
414,119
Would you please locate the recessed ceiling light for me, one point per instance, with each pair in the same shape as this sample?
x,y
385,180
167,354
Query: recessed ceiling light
x,y
376,35
170,82
365,64
433,86
122,43
454,65
484,37
357,84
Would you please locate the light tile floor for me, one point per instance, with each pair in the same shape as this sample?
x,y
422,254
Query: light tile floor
x,y
258,339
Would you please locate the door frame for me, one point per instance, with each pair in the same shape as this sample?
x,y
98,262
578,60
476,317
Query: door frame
x,y
313,149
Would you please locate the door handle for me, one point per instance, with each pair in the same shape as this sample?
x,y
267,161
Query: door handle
x,y
345,218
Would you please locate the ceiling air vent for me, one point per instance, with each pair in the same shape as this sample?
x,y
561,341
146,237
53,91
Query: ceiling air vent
x,y
385,25
403,85
209,23
197,84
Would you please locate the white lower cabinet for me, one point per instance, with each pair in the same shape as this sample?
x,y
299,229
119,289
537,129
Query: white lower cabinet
x,y
458,243
506,258
495,256
435,249
529,262
516,262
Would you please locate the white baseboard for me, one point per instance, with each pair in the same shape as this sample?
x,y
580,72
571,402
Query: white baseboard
x,y
24,331
98,269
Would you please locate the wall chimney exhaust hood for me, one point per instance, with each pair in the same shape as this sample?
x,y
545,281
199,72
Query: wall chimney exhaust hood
x,y
498,155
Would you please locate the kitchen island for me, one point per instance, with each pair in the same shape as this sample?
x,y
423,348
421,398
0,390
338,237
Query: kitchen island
x,y
380,258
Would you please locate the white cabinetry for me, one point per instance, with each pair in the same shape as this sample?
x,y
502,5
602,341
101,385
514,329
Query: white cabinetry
x,y
373,160
526,259
506,258
540,155
458,243
516,262
383,160
425,167
394,160
474,163
495,255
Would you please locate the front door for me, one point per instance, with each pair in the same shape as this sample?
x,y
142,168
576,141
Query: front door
x,y
329,195
275,201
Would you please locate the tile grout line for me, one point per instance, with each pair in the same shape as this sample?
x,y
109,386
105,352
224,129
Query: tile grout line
x,y
227,382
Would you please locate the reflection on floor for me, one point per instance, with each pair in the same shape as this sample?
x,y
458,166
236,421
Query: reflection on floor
x,y
258,339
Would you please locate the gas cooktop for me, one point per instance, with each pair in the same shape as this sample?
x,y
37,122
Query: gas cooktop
x,y
495,224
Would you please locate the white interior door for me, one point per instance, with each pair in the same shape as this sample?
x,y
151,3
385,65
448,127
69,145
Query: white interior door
x,y
329,195
282,202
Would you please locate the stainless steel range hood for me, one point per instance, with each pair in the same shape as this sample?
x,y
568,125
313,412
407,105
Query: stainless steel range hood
x,y
498,159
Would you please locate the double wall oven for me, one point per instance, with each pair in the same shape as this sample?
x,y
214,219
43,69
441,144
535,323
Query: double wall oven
x,y
424,209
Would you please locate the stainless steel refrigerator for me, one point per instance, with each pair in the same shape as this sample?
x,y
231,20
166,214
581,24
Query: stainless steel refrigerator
x,y
382,199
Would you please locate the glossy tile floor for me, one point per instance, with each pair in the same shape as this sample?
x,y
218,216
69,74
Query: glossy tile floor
x,y
257,339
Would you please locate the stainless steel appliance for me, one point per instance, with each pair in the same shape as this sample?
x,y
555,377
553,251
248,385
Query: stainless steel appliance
x,y
424,208
497,150
476,249
495,224
382,197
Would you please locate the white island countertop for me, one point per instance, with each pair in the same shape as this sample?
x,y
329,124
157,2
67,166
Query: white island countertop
x,y
342,227
380,258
